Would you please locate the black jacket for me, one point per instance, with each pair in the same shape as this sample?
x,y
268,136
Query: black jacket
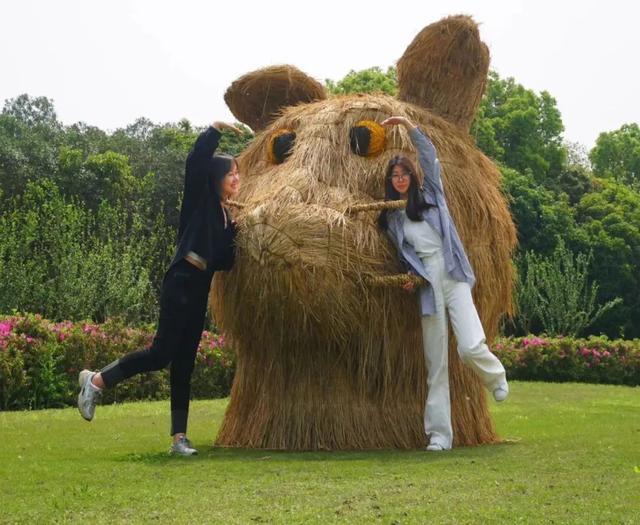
x,y
201,227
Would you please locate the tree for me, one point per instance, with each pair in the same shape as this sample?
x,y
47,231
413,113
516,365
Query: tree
x,y
616,155
541,216
609,225
575,181
110,179
32,112
520,129
29,136
372,80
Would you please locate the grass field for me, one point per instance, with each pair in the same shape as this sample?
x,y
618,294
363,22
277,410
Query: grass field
x,y
572,455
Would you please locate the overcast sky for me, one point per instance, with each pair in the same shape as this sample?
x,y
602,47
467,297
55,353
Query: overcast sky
x,y
108,62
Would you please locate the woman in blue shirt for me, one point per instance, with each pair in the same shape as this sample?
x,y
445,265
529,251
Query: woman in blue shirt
x,y
429,245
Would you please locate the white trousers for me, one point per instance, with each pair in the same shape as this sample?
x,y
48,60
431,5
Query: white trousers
x,y
454,298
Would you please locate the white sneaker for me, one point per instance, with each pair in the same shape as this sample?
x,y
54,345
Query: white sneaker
x,y
434,447
89,395
501,393
183,447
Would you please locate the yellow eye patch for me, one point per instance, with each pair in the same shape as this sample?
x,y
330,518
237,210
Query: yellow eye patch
x,y
367,138
280,146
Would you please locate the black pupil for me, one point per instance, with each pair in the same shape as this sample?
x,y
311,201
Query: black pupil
x,y
360,137
283,146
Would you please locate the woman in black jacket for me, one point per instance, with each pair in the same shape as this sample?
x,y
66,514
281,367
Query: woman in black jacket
x,y
205,244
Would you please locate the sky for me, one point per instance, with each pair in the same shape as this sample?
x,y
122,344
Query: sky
x,y
107,63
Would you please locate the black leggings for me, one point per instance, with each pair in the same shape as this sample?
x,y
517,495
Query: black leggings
x,y
183,306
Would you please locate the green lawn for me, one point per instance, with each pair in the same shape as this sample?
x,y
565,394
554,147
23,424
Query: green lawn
x,y
572,455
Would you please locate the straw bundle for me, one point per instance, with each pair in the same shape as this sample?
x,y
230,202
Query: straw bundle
x,y
255,98
329,345
397,280
445,69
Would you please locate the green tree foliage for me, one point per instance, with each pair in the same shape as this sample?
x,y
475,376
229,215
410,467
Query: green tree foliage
x,y
541,216
110,176
617,155
29,137
609,226
66,262
89,218
520,129
372,80
107,189
574,181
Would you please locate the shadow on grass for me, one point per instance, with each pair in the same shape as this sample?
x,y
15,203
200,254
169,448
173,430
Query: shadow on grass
x,y
225,455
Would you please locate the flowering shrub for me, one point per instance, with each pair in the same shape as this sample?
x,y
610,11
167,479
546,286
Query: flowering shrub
x,y
40,361
592,360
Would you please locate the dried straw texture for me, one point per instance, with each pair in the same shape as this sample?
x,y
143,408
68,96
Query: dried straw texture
x,y
256,98
326,359
395,281
445,69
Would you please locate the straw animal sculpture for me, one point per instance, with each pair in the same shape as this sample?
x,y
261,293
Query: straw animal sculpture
x,y
329,351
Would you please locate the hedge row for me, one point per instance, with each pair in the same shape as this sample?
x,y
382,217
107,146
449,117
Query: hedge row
x,y
562,359
40,361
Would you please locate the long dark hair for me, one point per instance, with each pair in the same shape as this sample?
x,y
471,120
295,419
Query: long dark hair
x,y
219,166
415,203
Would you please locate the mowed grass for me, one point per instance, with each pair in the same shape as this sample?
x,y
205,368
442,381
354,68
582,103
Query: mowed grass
x,y
571,455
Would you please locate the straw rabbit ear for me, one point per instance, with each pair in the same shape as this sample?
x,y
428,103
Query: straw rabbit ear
x,y
445,69
257,97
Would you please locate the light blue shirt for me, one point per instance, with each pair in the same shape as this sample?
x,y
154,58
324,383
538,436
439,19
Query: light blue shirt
x,y
456,261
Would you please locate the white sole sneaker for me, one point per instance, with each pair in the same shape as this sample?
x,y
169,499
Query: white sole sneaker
x,y
88,395
501,393
183,447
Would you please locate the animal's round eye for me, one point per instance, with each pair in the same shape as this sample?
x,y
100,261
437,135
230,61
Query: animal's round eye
x,y
367,138
280,146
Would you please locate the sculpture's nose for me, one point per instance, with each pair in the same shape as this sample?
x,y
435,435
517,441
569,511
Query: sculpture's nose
x,y
267,239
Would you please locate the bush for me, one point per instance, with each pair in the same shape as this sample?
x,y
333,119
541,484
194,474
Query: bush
x,y
554,293
66,262
40,361
591,360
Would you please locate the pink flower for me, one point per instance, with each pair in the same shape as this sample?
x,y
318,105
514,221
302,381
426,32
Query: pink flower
x,y
5,327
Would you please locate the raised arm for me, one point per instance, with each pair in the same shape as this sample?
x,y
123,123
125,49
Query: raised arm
x,y
428,159
201,153
195,178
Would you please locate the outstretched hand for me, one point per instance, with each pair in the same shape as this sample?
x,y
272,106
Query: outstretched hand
x,y
397,120
409,286
224,125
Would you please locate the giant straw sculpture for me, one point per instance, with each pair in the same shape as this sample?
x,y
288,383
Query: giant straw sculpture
x,y
329,352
